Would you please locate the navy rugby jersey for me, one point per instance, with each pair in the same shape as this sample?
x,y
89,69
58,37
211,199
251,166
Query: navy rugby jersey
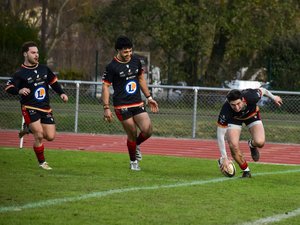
x,y
124,79
227,114
37,79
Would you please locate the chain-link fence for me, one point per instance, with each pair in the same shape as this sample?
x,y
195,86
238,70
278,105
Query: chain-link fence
x,y
185,112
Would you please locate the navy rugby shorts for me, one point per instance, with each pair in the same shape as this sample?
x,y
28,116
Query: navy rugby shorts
x,y
126,113
247,122
32,115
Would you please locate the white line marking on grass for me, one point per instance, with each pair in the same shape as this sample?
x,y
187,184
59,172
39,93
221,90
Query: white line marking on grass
x,y
275,218
279,164
103,194
100,194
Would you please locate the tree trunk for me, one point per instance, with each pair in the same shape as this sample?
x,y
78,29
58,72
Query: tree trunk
x,y
193,71
216,58
44,27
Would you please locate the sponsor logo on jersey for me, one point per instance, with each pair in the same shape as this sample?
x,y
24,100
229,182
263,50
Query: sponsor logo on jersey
x,y
131,87
40,93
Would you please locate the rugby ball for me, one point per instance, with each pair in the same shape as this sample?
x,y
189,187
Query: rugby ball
x,y
230,171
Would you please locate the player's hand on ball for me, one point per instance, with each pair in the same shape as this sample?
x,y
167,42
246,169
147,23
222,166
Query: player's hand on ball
x,y
227,167
225,164
153,105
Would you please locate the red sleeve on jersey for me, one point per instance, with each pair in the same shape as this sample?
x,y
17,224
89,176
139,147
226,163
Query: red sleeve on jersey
x,y
141,72
57,88
53,80
107,82
11,88
222,125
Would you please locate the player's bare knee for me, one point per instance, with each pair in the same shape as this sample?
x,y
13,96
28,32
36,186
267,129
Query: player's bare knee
x,y
149,132
150,129
258,143
39,136
50,138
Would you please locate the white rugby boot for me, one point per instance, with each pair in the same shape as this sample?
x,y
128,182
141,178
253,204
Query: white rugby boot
x,y
45,166
134,165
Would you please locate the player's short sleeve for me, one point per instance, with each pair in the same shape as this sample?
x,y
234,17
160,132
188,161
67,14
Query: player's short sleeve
x,y
224,116
15,80
52,78
252,95
10,84
140,68
107,74
13,85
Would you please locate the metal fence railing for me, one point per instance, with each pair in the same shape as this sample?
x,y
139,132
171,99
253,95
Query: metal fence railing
x,y
185,112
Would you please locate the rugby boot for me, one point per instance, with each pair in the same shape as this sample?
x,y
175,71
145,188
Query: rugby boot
x,y
246,174
254,151
45,166
134,165
25,130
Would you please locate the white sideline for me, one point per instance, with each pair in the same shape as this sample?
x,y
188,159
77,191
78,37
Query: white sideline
x,y
51,202
275,218
105,193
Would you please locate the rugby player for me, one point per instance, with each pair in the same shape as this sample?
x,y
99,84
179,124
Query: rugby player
x,y
31,82
241,107
126,76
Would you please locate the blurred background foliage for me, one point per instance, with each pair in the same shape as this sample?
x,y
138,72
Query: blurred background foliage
x,y
202,42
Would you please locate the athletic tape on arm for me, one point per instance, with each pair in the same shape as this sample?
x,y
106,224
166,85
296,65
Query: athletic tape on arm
x,y
221,141
267,93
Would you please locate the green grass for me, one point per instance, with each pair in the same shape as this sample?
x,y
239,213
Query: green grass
x,y
98,188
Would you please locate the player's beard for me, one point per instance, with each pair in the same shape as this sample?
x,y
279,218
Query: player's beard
x,y
126,58
33,61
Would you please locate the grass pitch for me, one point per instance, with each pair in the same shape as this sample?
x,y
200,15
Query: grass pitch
x,y
98,188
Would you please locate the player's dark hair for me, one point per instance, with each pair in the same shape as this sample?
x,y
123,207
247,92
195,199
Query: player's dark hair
x,y
27,45
123,42
234,95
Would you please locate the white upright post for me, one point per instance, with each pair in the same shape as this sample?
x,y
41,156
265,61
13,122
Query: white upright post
x,y
22,138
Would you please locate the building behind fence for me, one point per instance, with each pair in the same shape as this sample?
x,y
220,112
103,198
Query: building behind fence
x,y
184,112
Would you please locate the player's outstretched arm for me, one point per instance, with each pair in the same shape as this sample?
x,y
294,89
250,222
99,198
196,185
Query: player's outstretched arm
x,y
222,147
221,141
277,99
